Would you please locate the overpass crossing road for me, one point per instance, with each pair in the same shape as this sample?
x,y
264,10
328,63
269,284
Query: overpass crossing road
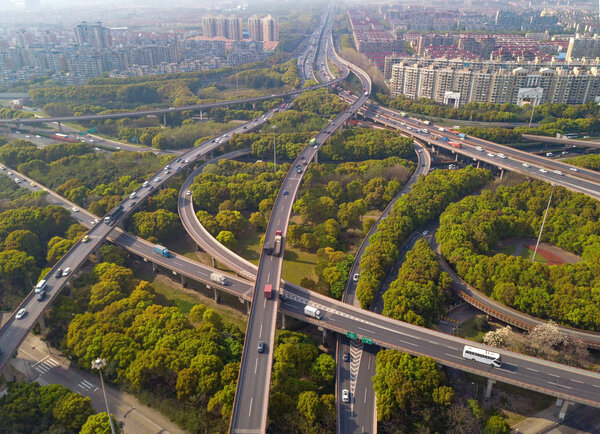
x,y
562,141
551,378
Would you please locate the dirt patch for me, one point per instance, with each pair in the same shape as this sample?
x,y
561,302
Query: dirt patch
x,y
551,254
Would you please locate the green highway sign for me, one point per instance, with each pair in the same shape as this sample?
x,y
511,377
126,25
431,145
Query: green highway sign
x,y
367,340
351,335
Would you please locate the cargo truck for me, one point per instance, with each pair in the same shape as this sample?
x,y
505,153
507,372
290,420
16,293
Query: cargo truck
x,y
462,135
277,248
219,278
427,122
268,290
112,217
312,312
161,250
267,248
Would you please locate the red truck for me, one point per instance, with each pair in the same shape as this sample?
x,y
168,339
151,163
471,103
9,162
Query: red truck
x,y
268,290
455,144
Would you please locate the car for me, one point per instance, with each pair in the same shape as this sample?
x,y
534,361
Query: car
x,y
479,148
558,172
66,271
118,148
188,193
96,221
425,233
9,173
28,136
261,347
132,195
525,165
171,108
304,162
75,209
37,136
345,395
179,160
489,154
346,357
316,146
543,171
18,180
501,155
186,161
573,169
20,314
132,204
145,184
355,277
85,239
41,296
33,184
58,273
157,179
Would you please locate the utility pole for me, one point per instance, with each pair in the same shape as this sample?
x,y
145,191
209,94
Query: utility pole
x,y
543,222
99,364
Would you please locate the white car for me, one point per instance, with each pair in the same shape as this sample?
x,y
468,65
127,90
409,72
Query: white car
x,y
573,169
157,179
37,136
479,148
66,271
490,154
501,155
188,193
132,195
355,277
558,172
345,395
75,209
525,165
543,171
20,314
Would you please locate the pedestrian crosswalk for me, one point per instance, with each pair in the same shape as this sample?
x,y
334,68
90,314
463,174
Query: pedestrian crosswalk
x,y
45,365
41,381
87,386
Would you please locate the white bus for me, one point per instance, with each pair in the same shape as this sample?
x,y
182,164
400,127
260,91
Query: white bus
x,y
483,356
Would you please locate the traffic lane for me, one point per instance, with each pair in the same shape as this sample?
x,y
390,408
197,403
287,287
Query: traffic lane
x,y
448,349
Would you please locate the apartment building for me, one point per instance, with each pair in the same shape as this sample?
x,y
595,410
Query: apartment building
x,y
458,86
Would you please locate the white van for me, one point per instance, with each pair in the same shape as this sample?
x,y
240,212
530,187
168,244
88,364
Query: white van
x,y
40,286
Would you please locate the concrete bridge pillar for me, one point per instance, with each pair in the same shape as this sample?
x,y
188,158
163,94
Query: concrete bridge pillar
x,y
501,174
214,262
455,157
248,306
324,335
564,405
165,119
154,267
217,296
184,282
199,248
59,126
283,321
42,322
478,163
316,157
488,388
97,254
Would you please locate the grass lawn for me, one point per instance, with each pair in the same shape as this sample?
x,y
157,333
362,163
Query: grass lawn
x,y
467,330
526,253
172,294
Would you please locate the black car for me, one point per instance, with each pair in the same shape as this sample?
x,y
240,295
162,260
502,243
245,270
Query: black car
x,y
261,347
346,357
42,295
58,273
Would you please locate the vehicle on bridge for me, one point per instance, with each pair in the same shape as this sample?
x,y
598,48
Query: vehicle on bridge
x,y
482,356
112,217
312,311
312,141
218,278
455,144
268,290
277,248
161,250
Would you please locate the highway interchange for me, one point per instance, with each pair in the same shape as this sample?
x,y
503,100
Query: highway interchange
x,y
557,380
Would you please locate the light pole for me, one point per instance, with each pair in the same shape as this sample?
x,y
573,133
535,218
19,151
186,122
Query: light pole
x,y
542,227
99,364
274,150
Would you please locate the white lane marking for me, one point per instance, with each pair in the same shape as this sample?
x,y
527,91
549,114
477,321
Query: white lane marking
x,y
452,355
369,365
559,385
531,369
250,409
260,334
507,371
408,343
368,331
577,381
595,385
265,304
556,376
268,276
256,366
365,398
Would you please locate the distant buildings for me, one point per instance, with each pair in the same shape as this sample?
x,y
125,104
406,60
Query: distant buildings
x,y
263,29
92,35
583,47
225,27
458,83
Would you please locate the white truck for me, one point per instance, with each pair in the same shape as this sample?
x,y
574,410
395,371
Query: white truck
x,y
311,311
219,278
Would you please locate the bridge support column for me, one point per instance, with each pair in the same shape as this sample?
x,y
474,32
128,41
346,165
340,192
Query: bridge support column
x,y
317,157
165,119
283,321
488,388
248,306
184,282
455,157
97,254
154,267
217,297
214,262
324,335
478,163
59,126
501,174
564,405
42,322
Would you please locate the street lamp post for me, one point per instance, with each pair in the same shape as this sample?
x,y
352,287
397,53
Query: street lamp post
x,y
99,364
274,150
